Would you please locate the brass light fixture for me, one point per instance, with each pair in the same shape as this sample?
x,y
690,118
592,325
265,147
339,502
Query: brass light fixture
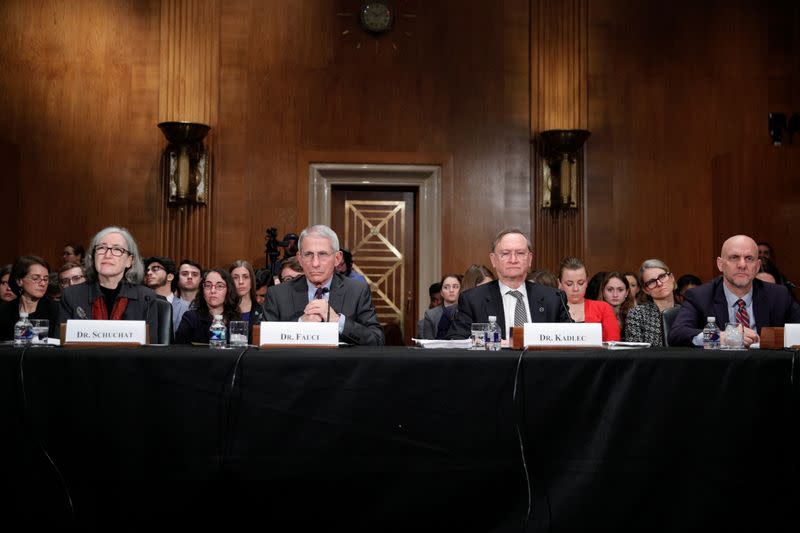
x,y
559,151
185,162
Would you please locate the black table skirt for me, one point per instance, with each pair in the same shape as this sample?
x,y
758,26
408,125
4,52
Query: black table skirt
x,y
399,439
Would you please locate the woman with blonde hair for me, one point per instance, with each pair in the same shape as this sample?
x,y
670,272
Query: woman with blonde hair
x,y
572,279
476,275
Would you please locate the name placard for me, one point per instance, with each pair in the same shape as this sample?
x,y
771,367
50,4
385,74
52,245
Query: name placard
x,y
122,332
791,335
318,334
563,335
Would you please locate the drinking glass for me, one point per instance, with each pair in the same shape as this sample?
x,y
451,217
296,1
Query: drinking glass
x,y
734,336
41,327
238,337
477,331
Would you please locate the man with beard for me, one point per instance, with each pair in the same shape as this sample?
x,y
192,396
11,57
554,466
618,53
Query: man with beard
x,y
160,275
735,297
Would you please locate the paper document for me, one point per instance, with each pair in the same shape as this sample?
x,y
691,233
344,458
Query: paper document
x,y
435,343
619,345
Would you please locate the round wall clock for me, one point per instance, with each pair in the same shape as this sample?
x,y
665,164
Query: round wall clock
x,y
376,16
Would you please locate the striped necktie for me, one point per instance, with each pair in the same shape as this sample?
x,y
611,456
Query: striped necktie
x,y
742,316
520,316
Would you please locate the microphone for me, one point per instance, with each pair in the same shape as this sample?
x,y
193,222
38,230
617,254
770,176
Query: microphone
x,y
562,297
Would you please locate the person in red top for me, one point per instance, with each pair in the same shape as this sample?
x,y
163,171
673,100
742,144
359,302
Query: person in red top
x,y
572,279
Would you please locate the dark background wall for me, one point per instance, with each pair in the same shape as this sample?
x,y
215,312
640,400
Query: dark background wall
x,y
677,96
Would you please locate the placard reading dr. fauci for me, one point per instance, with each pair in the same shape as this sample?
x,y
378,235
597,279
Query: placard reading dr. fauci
x,y
299,334
563,334
106,331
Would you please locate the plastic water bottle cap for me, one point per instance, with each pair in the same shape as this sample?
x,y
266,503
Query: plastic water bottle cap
x,y
217,317
23,315
711,319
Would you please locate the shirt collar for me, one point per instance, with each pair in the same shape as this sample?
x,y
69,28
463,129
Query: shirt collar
x,y
505,288
732,298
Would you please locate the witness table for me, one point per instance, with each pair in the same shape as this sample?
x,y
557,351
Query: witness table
x,y
399,439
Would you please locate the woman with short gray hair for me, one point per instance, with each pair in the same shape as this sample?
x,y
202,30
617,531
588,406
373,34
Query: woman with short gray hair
x,y
645,322
114,271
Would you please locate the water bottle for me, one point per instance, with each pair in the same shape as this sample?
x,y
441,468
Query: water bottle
x,y
493,335
23,331
711,334
217,330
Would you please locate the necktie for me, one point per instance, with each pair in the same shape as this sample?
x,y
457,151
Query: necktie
x,y
320,294
742,316
520,316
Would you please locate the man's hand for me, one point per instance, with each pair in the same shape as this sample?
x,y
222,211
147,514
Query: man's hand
x,y
749,337
319,311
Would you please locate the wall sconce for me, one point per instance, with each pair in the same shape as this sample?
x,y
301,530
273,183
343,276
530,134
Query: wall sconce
x,y
184,164
559,150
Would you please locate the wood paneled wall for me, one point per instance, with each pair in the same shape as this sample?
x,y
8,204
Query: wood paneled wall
x,y
668,88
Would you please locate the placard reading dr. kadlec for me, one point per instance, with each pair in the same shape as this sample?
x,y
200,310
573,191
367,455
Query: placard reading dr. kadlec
x,y
106,331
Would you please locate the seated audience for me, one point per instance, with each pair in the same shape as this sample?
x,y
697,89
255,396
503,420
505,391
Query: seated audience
x,y
593,287
768,272
639,296
735,297
113,291
543,277
435,300
437,321
476,275
71,274
345,268
53,287
572,280
73,253
645,322
290,270
510,298
264,280
686,282
161,276
188,280
6,294
615,292
243,276
28,279
217,296
323,295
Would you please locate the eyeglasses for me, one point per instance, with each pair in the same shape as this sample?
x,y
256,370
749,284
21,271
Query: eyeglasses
x,y
74,280
101,249
322,256
38,279
154,268
287,279
660,280
210,286
506,255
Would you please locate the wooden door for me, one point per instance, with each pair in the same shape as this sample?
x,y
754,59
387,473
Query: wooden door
x,y
378,226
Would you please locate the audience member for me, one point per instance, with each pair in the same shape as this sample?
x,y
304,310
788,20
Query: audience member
x,y
476,275
216,297
769,273
73,253
264,280
735,297
572,280
6,294
639,296
244,280
510,298
645,322
593,287
436,321
543,277
290,270
616,292
434,300
114,272
71,274
161,276
188,280
291,246
53,287
766,254
323,295
345,267
686,282
28,279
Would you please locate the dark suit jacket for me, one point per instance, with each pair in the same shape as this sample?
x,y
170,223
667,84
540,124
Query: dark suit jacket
x,y
477,304
285,303
45,308
772,306
141,304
